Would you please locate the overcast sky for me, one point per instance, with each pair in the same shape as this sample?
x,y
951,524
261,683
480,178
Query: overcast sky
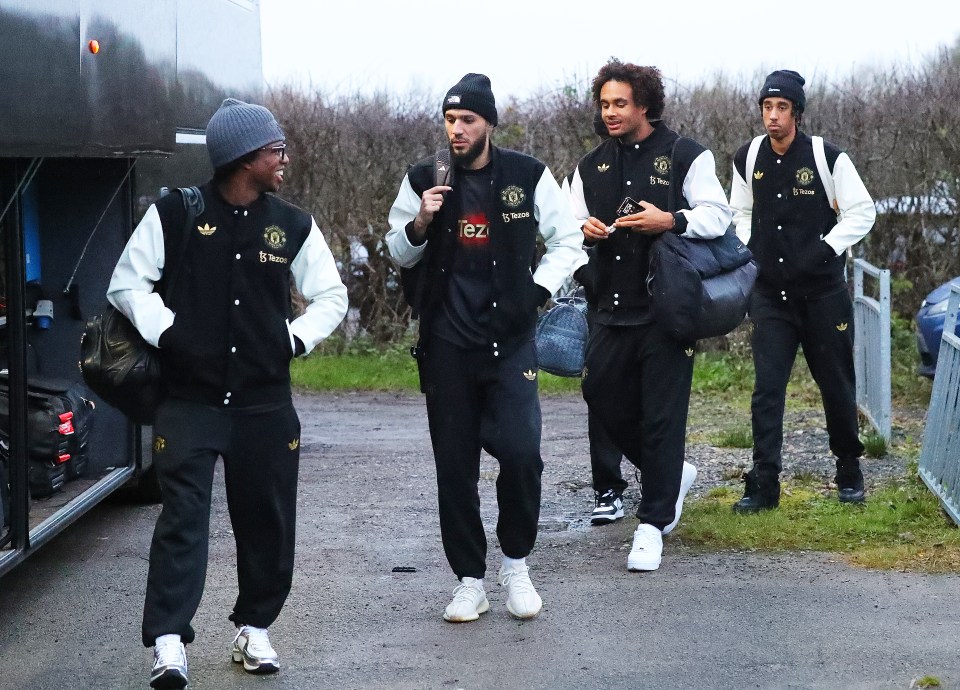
x,y
524,45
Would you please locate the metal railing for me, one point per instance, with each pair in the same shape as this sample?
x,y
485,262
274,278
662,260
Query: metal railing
x,y
940,456
871,352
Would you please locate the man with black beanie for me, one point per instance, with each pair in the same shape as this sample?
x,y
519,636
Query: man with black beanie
x,y
466,246
642,181
799,204
226,338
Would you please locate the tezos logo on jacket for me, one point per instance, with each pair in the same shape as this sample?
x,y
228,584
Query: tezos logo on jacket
x,y
512,196
274,237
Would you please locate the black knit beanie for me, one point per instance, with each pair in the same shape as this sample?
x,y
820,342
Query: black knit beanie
x,y
473,92
784,83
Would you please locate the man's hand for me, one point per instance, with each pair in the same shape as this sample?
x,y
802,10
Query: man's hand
x,y
430,203
651,220
594,230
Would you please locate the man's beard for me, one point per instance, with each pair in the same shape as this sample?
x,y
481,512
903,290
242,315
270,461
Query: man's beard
x,y
466,159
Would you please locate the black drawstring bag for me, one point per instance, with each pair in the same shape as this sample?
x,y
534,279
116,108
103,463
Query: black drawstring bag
x,y
117,363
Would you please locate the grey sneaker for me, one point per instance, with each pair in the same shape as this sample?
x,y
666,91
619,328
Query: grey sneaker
x,y
169,663
609,508
252,647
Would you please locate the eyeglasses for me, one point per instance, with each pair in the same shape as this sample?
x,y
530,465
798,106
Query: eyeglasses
x,y
279,149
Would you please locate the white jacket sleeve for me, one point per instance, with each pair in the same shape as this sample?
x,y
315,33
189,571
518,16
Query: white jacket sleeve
x,y
561,234
741,203
857,211
317,278
131,285
405,208
709,214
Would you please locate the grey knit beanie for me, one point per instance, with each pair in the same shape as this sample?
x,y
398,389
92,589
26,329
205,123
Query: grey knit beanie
x,y
238,128
473,92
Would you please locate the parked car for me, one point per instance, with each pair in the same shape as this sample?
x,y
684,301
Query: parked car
x,y
930,319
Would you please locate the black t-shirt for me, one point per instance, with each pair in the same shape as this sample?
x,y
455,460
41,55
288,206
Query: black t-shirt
x,y
465,316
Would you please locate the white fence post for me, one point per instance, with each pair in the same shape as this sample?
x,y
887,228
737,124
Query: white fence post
x,y
871,354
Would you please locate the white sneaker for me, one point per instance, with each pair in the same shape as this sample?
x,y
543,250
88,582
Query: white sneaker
x,y
469,601
169,663
687,479
252,647
647,548
522,599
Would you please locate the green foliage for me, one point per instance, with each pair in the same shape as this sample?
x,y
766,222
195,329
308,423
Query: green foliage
x,y
737,437
875,445
722,372
926,682
390,370
901,526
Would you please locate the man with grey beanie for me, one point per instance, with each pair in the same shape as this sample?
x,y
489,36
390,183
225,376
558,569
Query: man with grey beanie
x,y
466,246
226,337
799,204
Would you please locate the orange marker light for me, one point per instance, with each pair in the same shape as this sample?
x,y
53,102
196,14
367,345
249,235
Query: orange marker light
x,y
94,46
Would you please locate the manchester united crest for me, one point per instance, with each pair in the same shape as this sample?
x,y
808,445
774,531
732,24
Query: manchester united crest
x,y
512,196
274,237
805,176
662,165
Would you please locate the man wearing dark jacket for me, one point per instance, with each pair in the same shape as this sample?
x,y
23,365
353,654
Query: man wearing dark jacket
x,y
643,181
470,247
226,338
799,204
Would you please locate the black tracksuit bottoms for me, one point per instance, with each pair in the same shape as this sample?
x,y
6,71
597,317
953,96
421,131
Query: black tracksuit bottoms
x,y
261,456
823,327
637,384
605,457
475,400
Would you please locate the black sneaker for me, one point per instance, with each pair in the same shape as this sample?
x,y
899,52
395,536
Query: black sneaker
x,y
758,495
609,508
850,481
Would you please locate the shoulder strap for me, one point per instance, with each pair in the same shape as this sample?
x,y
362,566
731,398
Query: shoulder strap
x,y
194,205
820,156
752,161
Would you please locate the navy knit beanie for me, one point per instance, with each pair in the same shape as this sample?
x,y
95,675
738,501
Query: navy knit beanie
x,y
238,128
473,92
784,83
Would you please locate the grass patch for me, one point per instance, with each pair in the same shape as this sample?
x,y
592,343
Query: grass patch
x,y
926,682
392,370
737,437
900,527
875,445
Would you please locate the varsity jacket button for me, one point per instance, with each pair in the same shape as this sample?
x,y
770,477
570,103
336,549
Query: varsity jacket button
x,y
496,353
244,213
494,305
495,345
238,257
780,259
226,402
779,196
616,294
236,302
779,227
616,303
629,182
233,349
779,161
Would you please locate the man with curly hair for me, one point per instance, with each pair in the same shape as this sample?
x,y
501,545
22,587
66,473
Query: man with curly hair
x,y
641,182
